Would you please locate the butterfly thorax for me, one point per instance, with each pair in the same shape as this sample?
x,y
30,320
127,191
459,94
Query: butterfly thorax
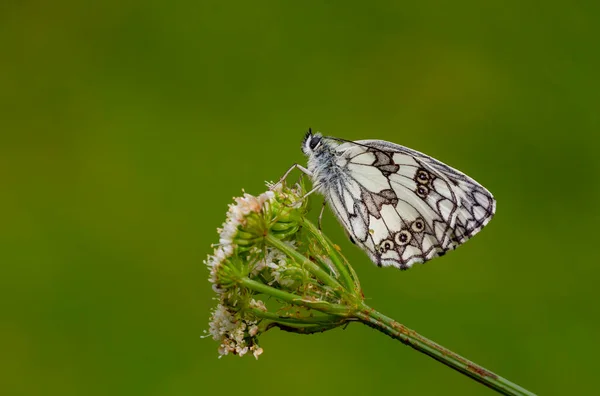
x,y
323,163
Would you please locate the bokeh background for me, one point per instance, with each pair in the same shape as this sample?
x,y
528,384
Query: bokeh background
x,y
127,127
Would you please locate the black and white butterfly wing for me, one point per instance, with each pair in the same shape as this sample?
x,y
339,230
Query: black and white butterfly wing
x,y
402,206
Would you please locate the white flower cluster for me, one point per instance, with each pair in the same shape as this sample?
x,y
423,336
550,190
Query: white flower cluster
x,y
236,330
235,217
235,321
234,333
277,262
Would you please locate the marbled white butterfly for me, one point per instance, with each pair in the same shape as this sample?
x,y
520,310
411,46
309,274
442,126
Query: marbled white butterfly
x,y
399,205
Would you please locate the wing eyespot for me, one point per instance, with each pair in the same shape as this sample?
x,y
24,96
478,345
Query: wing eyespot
x,y
418,225
385,245
403,238
422,176
422,191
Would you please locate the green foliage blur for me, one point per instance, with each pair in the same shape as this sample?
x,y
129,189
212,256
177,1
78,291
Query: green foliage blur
x,y
127,127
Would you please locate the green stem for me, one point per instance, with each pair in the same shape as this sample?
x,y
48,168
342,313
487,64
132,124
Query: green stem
x,y
302,325
323,306
300,259
320,319
411,338
346,278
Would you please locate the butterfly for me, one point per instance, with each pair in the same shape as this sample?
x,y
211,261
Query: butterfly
x,y
401,206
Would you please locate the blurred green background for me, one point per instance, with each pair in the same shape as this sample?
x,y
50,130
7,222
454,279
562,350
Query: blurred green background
x,y
127,127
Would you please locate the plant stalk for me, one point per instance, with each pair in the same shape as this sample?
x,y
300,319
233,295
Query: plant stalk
x,y
388,326
349,280
299,258
319,305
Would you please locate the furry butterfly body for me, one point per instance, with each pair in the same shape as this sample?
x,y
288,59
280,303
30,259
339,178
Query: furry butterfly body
x,y
399,205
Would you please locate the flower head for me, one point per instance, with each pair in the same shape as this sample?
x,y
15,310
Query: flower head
x,y
269,252
236,332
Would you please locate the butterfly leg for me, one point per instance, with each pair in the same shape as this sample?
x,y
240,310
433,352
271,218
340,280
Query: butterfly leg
x,y
302,198
308,193
285,175
321,214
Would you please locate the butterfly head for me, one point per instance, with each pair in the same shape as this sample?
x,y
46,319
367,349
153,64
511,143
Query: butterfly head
x,y
312,143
